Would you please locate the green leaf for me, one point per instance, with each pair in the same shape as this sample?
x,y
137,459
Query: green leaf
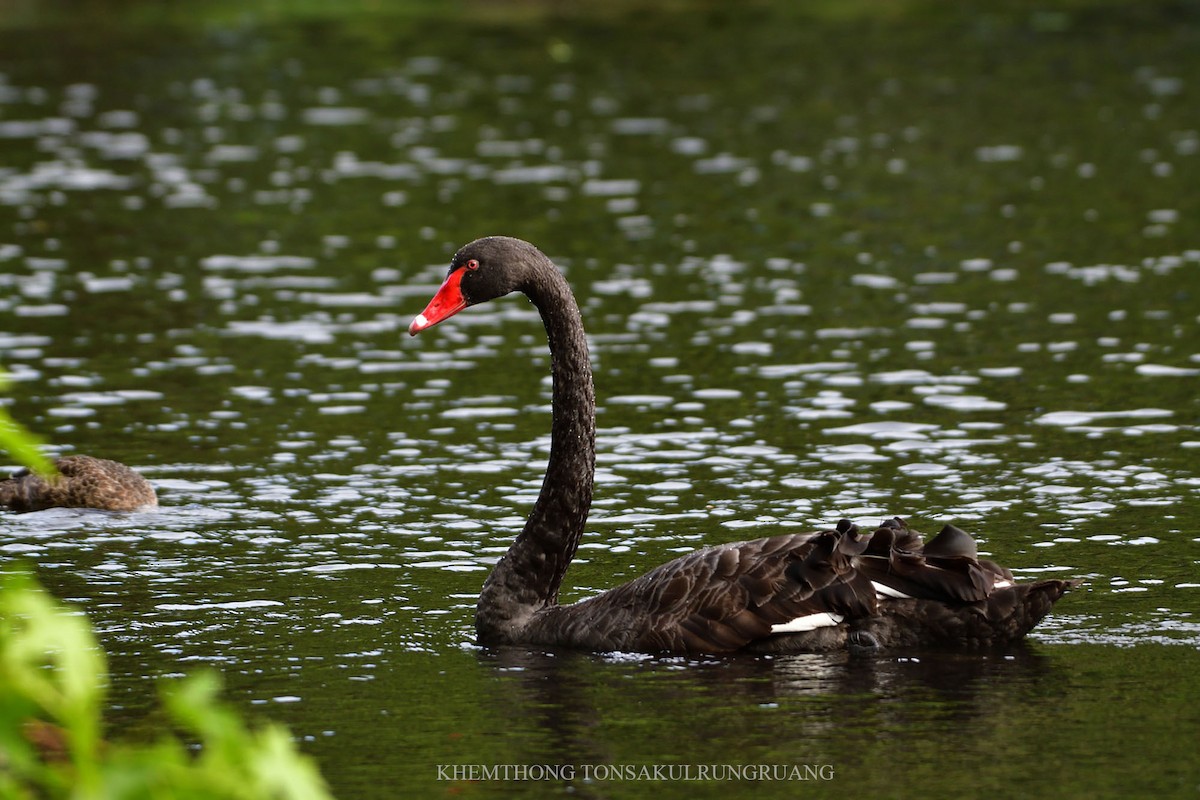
x,y
52,687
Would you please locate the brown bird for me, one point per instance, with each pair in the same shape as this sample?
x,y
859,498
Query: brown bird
x,y
831,589
83,482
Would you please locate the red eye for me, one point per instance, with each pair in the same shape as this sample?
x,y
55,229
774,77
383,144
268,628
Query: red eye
x,y
472,264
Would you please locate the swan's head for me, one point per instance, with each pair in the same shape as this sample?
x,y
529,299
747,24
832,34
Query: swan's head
x,y
481,271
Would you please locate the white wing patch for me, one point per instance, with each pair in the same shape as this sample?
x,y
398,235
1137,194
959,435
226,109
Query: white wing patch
x,y
808,623
887,592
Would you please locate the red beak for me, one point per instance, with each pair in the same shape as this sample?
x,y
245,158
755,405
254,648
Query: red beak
x,y
446,303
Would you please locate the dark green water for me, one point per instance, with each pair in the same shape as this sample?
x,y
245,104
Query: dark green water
x,y
938,265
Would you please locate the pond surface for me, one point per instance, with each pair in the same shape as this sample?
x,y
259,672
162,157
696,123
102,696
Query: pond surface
x,y
938,266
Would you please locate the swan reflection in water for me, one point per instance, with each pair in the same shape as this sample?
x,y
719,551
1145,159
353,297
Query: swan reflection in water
x,y
570,707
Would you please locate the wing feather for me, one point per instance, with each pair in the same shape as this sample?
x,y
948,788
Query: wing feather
x,y
728,597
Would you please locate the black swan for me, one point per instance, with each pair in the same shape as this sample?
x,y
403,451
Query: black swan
x,y
82,482
832,589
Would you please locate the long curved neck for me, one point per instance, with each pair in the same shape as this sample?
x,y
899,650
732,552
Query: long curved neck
x,y
527,579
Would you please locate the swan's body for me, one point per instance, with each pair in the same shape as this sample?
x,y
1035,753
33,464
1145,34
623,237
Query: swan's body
x,y
789,593
82,482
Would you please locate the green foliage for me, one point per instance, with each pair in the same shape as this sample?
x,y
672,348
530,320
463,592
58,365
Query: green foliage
x,y
20,443
52,688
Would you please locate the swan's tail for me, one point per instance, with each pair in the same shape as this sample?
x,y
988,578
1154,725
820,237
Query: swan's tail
x,y
1006,615
940,591
1014,611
